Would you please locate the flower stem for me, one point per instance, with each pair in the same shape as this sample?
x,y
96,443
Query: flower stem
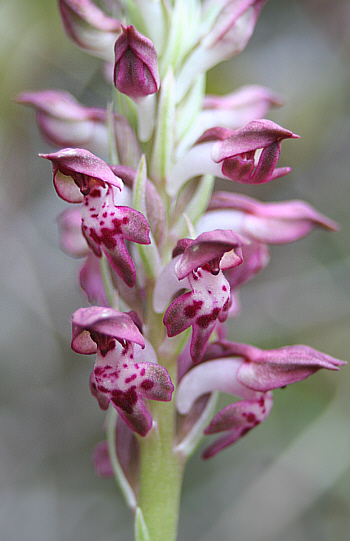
x,y
161,475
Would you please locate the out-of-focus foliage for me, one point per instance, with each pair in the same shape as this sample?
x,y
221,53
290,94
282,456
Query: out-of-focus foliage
x,y
290,479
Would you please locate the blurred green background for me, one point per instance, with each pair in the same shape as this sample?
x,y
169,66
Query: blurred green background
x,y
290,478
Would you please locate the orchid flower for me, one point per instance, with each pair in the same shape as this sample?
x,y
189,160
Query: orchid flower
x,y
80,176
233,155
165,255
201,263
270,223
121,375
64,122
250,373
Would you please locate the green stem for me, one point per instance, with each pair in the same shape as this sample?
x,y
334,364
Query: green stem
x,y
161,475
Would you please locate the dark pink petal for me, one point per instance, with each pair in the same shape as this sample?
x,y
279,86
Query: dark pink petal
x,y
237,420
104,321
77,171
136,64
237,152
255,135
207,247
271,369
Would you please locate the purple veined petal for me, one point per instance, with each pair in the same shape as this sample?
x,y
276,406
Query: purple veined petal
x,y
89,27
136,64
76,171
271,369
237,420
72,241
209,376
104,321
255,135
91,281
107,227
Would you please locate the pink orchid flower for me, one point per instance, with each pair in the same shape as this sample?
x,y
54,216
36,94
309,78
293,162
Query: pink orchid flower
x,y
121,374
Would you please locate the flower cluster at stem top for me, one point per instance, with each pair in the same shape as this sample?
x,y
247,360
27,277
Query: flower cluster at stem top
x,y
164,255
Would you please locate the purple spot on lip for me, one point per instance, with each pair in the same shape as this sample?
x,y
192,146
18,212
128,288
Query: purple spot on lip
x,y
147,384
204,321
191,311
95,193
131,378
250,418
125,400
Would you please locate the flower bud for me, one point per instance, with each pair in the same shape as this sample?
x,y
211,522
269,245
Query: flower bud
x,y
136,64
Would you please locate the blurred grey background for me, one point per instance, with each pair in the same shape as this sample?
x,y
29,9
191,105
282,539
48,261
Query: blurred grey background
x,y
290,478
